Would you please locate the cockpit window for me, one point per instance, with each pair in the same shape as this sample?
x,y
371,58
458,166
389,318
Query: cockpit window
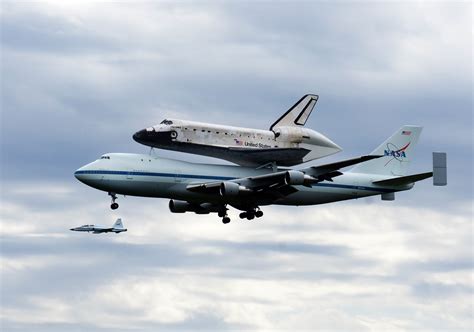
x,y
167,122
105,157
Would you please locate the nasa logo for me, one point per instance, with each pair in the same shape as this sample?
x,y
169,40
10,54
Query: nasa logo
x,y
393,151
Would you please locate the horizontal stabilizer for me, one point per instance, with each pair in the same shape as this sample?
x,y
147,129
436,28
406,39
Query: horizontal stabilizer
x,y
403,180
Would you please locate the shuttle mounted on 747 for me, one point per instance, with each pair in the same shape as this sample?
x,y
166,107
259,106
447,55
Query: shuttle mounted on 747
x,y
204,188
286,143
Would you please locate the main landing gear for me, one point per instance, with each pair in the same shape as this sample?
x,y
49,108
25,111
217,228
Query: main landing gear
x,y
251,214
223,215
113,205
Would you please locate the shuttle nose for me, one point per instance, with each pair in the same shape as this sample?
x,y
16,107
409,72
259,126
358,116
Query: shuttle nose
x,y
140,136
155,137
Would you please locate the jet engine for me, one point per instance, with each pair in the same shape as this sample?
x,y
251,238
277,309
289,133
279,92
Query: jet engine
x,y
182,207
295,178
230,189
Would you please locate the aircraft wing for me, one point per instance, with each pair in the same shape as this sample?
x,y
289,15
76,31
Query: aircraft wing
x,y
332,170
266,182
102,230
282,183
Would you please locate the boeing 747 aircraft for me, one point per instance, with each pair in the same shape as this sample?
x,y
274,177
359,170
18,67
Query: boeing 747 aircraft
x,y
286,143
203,188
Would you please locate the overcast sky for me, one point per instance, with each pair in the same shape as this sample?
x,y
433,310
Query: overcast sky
x,y
78,78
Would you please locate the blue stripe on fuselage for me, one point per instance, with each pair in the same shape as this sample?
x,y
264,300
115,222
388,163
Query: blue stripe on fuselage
x,y
213,177
166,175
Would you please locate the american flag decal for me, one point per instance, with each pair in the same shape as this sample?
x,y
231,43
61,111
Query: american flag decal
x,y
238,142
406,132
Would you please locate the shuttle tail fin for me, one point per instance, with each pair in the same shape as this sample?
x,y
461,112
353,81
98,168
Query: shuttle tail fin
x,y
299,113
397,152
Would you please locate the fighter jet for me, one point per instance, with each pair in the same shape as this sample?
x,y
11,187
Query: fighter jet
x,y
286,143
116,228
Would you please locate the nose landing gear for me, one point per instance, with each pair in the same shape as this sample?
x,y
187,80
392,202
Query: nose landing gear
x,y
113,205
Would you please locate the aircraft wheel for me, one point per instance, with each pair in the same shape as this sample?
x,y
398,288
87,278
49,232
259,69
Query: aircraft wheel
x,y
114,206
226,220
243,215
250,216
258,214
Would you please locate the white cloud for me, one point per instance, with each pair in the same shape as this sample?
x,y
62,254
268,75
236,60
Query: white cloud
x,y
347,266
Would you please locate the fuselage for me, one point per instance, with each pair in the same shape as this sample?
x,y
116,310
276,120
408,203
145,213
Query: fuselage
x,y
98,229
284,145
148,176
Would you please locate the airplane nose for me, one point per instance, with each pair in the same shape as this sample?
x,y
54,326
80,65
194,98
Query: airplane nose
x,y
79,174
83,174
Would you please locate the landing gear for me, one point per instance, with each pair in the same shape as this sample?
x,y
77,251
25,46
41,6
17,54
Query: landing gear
x,y
113,205
251,214
226,220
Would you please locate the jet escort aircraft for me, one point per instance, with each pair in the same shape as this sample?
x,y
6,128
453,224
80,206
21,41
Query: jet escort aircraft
x,y
204,188
286,143
117,227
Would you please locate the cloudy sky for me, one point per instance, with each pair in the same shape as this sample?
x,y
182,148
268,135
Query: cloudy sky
x,y
78,78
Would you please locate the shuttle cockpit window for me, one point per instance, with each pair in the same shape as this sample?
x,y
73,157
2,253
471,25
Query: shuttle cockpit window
x,y
105,157
167,122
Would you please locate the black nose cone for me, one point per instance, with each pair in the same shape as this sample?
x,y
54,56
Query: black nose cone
x,y
140,136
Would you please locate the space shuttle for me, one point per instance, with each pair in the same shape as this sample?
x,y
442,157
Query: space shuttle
x,y
286,143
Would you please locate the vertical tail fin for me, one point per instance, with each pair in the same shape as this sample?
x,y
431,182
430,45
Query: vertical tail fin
x,y
118,223
397,152
298,114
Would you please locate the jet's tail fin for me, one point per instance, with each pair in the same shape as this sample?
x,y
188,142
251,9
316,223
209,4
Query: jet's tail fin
x,y
118,223
299,113
397,152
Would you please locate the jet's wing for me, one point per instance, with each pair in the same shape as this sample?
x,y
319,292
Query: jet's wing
x,y
281,183
253,184
98,230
